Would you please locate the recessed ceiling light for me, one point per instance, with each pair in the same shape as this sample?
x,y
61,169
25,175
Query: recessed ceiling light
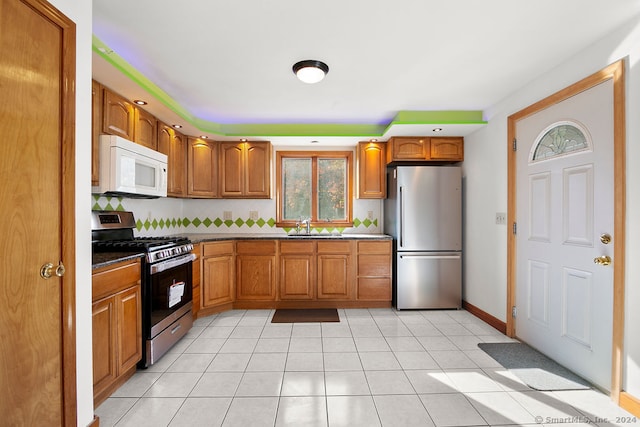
x,y
177,126
437,130
373,140
315,142
310,71
139,102
243,139
204,136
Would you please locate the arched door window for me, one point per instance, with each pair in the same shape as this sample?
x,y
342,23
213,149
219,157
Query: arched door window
x,y
559,139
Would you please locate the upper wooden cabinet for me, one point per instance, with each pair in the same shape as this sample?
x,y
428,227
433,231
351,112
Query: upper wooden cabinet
x,y
117,115
412,148
245,170
145,129
174,145
447,148
202,168
371,170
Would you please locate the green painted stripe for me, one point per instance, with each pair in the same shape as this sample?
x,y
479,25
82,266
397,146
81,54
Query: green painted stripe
x,y
284,129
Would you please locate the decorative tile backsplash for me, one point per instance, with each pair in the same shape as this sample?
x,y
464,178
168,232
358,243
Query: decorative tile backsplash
x,y
151,217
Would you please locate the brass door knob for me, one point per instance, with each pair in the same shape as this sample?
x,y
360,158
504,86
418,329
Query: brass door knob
x,y
47,270
605,238
602,260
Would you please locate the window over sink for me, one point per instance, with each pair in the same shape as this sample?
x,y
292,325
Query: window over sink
x,y
315,185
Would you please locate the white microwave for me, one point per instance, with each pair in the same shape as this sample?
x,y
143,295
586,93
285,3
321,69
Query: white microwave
x,y
131,170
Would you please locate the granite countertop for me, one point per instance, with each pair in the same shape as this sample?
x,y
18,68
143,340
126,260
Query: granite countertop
x,y
103,259
200,237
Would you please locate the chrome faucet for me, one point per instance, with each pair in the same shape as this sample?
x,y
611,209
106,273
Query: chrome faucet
x,y
307,223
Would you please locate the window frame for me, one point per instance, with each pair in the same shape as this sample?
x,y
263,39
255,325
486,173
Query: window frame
x,y
314,156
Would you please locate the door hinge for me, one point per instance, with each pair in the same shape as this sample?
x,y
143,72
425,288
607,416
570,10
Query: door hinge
x,y
514,312
515,228
515,144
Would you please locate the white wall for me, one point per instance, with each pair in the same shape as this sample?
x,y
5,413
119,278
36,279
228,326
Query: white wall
x,y
485,171
80,13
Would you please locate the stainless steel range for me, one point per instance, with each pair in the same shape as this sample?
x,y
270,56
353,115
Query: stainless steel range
x,y
166,279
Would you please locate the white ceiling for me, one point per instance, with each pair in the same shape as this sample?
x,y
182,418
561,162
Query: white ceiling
x,y
229,62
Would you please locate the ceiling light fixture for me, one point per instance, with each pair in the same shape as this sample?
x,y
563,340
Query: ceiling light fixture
x,y
139,102
177,126
437,130
310,71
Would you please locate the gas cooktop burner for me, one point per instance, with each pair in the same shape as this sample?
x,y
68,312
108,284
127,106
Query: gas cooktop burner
x,y
145,243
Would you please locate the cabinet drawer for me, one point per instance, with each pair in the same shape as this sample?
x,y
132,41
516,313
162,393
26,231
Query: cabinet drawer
x,y
218,248
256,247
374,265
377,289
114,279
334,247
374,247
296,247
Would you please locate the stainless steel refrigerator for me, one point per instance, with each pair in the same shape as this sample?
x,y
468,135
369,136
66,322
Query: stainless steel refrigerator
x,y
423,213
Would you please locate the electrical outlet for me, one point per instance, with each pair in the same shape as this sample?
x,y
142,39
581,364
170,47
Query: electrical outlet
x,y
253,215
370,215
227,216
501,218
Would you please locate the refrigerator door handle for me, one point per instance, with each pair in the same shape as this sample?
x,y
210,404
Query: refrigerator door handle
x,y
430,256
401,202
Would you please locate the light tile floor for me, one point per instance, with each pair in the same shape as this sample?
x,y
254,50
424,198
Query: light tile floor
x,y
377,367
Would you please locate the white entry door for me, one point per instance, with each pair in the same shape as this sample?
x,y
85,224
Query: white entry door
x,y
564,240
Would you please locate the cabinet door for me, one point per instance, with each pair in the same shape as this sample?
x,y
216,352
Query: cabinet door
x,y
231,169
117,115
104,344
257,170
447,149
202,168
173,144
128,314
196,279
96,130
371,170
297,270
217,280
255,277
408,148
333,276
146,129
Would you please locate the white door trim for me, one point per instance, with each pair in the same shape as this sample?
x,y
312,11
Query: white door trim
x,y
615,72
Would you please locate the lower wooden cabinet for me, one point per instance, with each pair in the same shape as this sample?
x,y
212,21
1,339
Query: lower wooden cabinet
x,y
297,270
117,326
256,270
334,269
218,273
374,271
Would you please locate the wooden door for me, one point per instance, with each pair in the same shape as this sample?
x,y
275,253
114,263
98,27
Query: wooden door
x,y
333,276
231,169
202,169
37,116
257,170
255,277
146,132
96,130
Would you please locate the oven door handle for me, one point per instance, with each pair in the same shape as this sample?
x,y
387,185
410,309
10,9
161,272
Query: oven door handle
x,y
171,263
